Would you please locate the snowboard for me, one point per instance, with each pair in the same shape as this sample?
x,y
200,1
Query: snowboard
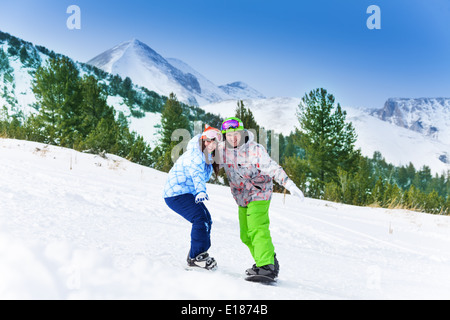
x,y
190,268
261,279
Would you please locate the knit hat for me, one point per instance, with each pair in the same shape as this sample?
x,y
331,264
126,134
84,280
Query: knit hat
x,y
211,133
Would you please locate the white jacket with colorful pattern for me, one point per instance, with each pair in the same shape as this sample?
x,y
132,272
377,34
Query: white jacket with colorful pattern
x,y
250,171
190,172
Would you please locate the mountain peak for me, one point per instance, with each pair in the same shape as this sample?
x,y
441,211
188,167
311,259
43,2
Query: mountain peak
x,y
109,59
147,68
136,43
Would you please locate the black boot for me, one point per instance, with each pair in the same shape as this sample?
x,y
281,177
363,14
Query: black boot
x,y
270,270
266,271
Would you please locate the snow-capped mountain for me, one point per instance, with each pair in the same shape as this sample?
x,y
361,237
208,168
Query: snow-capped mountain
x,y
147,68
428,116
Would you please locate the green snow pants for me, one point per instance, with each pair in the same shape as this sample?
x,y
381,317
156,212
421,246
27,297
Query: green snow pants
x,y
254,225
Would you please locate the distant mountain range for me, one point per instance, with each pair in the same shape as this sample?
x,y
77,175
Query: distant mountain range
x,y
403,130
145,67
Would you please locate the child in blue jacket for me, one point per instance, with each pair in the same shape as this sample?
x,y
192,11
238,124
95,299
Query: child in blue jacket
x,y
185,192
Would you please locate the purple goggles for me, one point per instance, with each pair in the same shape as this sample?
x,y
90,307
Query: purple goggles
x,y
231,124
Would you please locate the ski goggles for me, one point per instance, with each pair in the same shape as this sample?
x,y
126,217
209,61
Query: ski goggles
x,y
211,134
232,125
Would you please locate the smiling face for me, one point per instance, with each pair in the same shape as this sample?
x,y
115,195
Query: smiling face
x,y
210,145
233,138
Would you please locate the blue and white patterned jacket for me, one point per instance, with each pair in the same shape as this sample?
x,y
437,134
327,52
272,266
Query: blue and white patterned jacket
x,y
190,172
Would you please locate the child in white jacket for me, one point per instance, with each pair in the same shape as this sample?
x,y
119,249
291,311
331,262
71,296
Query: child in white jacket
x,y
185,192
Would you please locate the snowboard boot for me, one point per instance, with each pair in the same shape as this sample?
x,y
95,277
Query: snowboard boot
x,y
203,260
266,271
270,270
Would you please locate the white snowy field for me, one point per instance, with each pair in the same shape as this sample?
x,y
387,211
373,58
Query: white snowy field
x,y
77,226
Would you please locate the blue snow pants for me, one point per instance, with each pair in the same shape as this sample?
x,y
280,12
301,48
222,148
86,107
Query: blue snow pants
x,y
199,216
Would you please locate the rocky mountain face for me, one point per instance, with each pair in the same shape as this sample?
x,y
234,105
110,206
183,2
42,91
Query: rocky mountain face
x,y
428,116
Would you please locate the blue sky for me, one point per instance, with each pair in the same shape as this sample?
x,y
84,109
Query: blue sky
x,y
281,48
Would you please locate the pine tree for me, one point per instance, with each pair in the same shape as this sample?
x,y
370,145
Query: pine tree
x,y
364,182
413,198
392,196
104,138
247,117
172,118
433,203
446,209
140,152
5,67
422,178
297,170
93,106
23,55
403,179
327,138
378,192
58,94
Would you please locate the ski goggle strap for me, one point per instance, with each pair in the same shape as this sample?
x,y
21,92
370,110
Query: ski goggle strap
x,y
232,124
211,134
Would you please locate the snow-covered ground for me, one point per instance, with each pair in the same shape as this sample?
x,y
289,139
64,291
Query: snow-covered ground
x,y
77,226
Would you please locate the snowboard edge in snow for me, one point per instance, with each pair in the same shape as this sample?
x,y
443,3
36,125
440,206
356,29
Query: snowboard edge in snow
x,y
261,279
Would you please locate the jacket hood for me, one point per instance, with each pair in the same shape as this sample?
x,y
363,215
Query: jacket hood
x,y
193,144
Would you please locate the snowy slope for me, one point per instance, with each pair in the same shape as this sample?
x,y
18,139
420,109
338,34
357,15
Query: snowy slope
x,y
212,93
77,226
18,89
272,113
398,145
240,90
209,91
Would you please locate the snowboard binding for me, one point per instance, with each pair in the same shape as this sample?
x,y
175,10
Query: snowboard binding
x,y
203,260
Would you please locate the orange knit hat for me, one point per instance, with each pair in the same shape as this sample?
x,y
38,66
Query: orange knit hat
x,y
211,133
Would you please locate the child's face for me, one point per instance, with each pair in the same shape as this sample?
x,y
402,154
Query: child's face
x,y
210,145
233,138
